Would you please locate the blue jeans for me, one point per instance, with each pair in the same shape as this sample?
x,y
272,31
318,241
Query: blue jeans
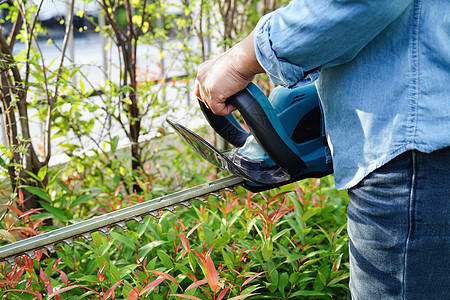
x,y
399,229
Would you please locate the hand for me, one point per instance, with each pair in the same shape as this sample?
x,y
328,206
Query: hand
x,y
225,75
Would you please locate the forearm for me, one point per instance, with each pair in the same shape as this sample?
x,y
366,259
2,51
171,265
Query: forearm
x,y
245,61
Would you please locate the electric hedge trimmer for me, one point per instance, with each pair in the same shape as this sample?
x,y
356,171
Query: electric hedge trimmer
x,y
286,143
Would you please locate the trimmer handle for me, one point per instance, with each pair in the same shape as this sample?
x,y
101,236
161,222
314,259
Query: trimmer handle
x,y
263,123
226,126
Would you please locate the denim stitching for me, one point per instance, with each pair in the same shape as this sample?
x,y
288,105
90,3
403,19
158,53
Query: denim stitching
x,y
414,79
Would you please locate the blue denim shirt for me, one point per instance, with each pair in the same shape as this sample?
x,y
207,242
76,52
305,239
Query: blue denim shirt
x,y
382,70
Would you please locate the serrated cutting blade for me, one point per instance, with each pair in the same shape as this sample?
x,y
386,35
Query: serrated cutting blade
x,y
102,223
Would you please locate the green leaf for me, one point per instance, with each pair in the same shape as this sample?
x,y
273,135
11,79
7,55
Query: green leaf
x,y
267,249
114,142
208,234
338,278
97,239
311,212
222,241
127,88
56,212
281,233
144,227
42,173
62,185
271,287
105,248
152,264
283,281
321,278
81,199
123,239
238,214
116,275
306,293
32,175
37,191
166,260
228,258
250,289
182,268
88,278
294,277
274,277
82,89
292,258
148,247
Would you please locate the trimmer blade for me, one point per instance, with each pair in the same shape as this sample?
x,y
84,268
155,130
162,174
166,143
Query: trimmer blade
x,y
224,160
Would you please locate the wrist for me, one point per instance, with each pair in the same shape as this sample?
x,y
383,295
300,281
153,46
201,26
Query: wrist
x,y
244,60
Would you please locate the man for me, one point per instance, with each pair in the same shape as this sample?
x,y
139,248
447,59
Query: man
x,y
382,70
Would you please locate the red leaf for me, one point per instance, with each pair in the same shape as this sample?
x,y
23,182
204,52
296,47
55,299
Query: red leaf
x,y
38,255
45,279
20,197
181,224
186,296
249,200
63,277
223,292
37,294
60,291
55,265
185,242
116,192
191,276
210,250
166,276
16,278
299,192
14,209
278,196
110,291
251,277
197,284
99,273
230,205
152,285
200,256
28,264
133,295
113,208
183,253
193,228
29,281
30,212
213,277
241,296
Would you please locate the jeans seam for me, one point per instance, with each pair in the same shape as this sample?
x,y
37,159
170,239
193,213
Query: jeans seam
x,y
410,220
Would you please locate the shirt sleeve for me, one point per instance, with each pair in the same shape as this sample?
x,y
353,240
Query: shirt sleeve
x,y
295,42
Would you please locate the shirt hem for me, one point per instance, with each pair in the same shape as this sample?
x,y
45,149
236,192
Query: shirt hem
x,y
384,160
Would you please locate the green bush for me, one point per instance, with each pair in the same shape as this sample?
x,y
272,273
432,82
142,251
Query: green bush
x,y
287,243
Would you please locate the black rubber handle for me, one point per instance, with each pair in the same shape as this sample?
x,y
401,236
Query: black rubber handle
x,y
264,132
225,127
